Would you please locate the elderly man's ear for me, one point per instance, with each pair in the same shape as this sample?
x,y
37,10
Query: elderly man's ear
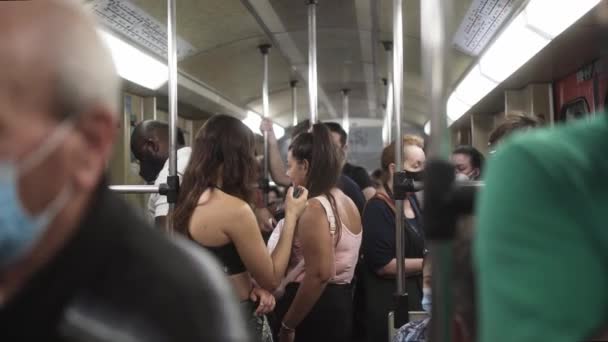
x,y
97,131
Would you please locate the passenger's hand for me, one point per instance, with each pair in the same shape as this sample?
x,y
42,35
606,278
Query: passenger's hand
x,y
265,219
266,126
266,299
295,206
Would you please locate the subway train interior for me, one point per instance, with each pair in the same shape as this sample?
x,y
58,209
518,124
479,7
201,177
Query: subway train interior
x,y
274,93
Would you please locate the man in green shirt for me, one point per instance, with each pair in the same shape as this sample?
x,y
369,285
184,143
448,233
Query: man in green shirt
x,y
541,249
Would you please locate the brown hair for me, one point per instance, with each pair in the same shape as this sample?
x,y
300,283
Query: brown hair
x,y
323,156
224,147
511,124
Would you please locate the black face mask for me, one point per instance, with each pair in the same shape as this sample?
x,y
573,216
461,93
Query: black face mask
x,y
150,168
415,175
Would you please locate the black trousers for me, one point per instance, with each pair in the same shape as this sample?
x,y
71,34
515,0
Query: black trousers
x,y
331,318
380,301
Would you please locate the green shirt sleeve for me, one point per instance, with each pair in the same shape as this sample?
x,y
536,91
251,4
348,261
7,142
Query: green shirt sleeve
x,y
538,278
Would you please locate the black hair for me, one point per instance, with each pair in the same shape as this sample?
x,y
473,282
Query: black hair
x,y
148,128
477,159
276,191
181,140
336,128
301,127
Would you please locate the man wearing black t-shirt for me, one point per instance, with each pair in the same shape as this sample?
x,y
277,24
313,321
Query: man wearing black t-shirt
x,y
356,173
75,262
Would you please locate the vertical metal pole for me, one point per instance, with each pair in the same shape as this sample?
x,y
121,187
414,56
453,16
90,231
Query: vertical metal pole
x,y
388,47
434,49
434,16
172,66
312,61
345,110
266,113
397,99
294,101
172,59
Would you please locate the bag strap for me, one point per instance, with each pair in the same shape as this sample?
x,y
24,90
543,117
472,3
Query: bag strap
x,y
384,198
331,217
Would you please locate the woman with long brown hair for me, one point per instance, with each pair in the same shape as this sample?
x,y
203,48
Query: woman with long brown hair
x,y
317,303
214,209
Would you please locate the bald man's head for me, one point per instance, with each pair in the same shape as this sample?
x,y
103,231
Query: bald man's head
x,y
53,59
150,146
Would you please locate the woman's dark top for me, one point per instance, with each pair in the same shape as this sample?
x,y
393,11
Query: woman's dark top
x,y
379,248
379,244
229,258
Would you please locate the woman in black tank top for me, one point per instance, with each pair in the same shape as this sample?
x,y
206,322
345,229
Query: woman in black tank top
x,y
214,209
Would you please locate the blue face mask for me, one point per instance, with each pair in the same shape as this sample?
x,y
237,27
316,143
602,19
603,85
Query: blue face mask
x,y
19,230
426,299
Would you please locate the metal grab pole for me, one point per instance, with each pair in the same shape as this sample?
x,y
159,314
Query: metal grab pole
x,y
312,61
388,47
434,51
172,178
397,97
172,59
294,101
264,49
439,175
345,110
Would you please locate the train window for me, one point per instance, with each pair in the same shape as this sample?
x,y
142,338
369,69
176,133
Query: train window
x,y
575,109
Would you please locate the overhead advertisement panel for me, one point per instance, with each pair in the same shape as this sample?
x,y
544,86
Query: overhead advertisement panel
x,y
134,23
481,23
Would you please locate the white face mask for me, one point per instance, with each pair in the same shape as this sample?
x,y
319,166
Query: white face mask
x,y
461,177
19,230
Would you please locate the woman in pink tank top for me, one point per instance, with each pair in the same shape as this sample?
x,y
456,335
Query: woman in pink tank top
x,y
317,302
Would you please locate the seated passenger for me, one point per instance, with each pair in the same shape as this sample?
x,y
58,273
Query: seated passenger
x,y
468,161
356,173
317,304
150,146
541,229
74,257
379,245
215,209
277,166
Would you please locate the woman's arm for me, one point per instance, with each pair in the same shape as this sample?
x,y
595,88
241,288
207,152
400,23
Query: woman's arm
x,y
277,166
267,270
294,208
379,241
412,266
313,232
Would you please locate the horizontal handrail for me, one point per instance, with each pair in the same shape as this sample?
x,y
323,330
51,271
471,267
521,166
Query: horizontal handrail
x,y
136,189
